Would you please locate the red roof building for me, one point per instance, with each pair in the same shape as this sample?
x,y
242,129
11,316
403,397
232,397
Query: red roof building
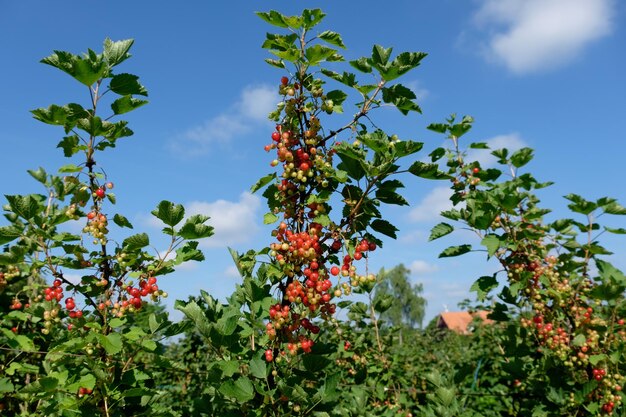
x,y
460,321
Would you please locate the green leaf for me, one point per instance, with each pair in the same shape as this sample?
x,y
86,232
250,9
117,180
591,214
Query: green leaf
x,y
380,55
9,233
455,251
258,367
311,17
440,230
121,221
6,385
169,213
479,145
390,197
319,53
194,228
112,343
332,38
137,241
521,157
402,64
39,174
407,147
86,70
25,206
263,182
595,359
116,52
240,390
273,18
269,218
492,243
384,227
275,63
362,65
614,208
483,286
619,231
428,171
126,104
188,252
383,302
401,97
580,205
126,84
194,313
70,145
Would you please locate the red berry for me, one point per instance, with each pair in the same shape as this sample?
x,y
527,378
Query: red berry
x,y
269,355
334,270
100,192
284,80
476,170
276,136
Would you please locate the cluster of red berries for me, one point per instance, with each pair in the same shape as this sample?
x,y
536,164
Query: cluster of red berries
x,y
55,292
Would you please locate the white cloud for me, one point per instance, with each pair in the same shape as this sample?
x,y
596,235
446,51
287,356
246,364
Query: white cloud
x,y
234,222
232,272
413,236
511,141
252,108
537,35
434,203
419,267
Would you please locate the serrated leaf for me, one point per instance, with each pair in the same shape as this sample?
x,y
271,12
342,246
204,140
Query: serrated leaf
x,y
194,228
380,55
362,65
9,233
39,174
86,70
111,342
122,221
258,368
483,285
262,182
455,251
273,18
428,171
127,84
240,390
492,243
269,218
384,227
70,145
332,38
169,213
137,241
440,230
126,104
116,52
614,208
521,157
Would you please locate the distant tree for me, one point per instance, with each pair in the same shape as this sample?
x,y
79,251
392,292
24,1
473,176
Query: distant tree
x,y
408,307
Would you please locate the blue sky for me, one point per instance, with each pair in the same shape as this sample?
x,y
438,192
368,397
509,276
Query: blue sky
x,y
541,73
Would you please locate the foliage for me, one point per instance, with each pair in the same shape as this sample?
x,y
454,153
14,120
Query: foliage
x,y
406,305
87,355
572,312
290,340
